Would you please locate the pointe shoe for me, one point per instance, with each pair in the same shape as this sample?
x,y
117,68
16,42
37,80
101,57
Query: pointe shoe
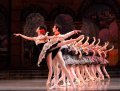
x,y
77,81
101,78
68,83
92,79
83,82
63,85
60,79
108,76
98,79
74,87
86,80
48,83
54,86
95,78
52,82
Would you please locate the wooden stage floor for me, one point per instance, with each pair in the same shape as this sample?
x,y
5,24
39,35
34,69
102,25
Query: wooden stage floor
x,y
39,85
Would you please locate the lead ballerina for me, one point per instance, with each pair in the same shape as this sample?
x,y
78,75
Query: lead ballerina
x,y
55,53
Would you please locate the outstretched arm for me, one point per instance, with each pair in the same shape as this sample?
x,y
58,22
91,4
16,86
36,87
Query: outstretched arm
x,y
98,42
71,33
110,49
104,47
68,41
93,42
106,44
80,55
86,40
86,43
62,37
105,54
64,43
93,52
33,38
81,40
25,37
52,37
76,50
99,52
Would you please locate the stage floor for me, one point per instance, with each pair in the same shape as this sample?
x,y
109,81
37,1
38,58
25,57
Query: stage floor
x,y
39,85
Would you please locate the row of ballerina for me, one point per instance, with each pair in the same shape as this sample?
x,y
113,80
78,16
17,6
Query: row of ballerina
x,y
84,61
77,60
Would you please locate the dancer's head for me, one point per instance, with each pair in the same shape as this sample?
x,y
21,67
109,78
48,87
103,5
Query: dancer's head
x,y
56,29
41,30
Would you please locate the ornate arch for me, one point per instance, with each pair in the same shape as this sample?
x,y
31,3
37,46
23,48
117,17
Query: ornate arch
x,y
61,10
33,21
87,4
66,22
33,9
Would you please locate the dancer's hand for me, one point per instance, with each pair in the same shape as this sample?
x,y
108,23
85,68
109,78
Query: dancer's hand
x,y
77,31
38,64
17,34
76,52
46,34
80,56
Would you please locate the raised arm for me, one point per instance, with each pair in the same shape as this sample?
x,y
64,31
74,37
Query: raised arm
x,y
76,50
80,54
86,40
46,34
52,37
85,50
69,41
62,37
93,51
110,49
99,52
25,37
105,54
98,42
71,33
93,41
64,43
81,40
107,44
104,47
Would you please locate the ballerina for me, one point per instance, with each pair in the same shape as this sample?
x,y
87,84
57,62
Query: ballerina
x,y
103,53
55,55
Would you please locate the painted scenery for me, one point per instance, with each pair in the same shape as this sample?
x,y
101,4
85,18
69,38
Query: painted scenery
x,y
100,21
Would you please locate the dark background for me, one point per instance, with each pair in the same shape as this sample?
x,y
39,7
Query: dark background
x,y
99,18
